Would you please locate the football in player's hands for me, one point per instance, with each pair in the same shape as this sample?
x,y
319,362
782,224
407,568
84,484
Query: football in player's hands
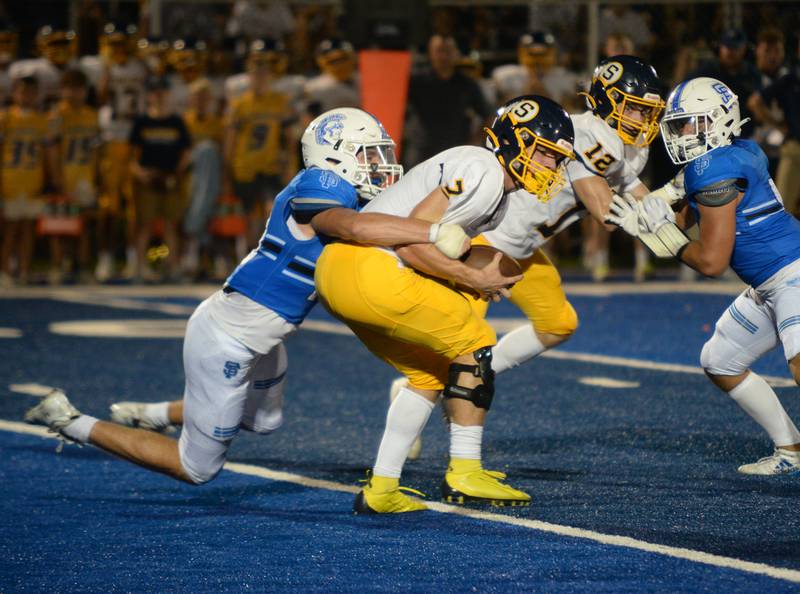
x,y
480,256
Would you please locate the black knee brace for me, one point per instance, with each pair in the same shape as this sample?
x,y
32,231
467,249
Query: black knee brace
x,y
481,396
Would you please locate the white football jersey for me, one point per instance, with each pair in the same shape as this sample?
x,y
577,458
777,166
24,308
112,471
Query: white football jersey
x,y
292,85
126,99
46,73
470,175
530,223
513,80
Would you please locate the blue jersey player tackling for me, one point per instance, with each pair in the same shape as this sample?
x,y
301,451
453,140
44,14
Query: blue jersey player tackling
x,y
233,356
743,225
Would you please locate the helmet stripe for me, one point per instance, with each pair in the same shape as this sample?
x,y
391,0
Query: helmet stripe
x,y
676,99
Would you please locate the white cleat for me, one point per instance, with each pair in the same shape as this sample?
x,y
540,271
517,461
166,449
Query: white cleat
x,y
780,462
397,385
134,414
56,411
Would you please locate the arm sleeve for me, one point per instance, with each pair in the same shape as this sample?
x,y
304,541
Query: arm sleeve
x,y
319,190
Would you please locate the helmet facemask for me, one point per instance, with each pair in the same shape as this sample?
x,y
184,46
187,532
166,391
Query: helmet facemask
x,y
377,167
534,177
690,135
637,132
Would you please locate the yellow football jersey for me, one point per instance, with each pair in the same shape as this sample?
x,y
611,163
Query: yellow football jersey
x,y
78,133
23,134
209,127
259,122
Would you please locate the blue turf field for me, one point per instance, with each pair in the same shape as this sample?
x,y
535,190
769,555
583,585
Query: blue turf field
x,y
655,462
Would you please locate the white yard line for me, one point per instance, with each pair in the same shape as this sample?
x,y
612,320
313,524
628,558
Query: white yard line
x,y
781,573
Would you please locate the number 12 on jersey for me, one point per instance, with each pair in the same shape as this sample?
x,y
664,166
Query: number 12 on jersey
x,y
599,159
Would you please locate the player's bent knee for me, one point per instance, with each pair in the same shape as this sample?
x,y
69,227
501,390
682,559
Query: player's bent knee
x,y
720,357
201,472
563,325
482,394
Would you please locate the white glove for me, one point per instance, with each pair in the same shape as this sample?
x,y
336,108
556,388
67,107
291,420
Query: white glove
x,y
624,213
657,222
449,239
654,213
672,191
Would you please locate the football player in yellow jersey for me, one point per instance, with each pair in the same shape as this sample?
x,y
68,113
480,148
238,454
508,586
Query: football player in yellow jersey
x,y
23,133
422,326
121,95
205,180
255,128
74,144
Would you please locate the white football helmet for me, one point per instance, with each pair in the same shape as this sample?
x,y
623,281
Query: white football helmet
x,y
353,144
701,114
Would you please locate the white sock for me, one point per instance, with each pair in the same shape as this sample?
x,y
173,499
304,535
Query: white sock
x,y
80,428
405,420
516,347
759,401
158,413
465,442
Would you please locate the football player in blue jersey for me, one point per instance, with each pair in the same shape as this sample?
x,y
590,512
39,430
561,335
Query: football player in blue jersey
x,y
233,356
743,224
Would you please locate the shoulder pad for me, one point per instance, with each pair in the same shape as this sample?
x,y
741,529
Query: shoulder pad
x,y
718,193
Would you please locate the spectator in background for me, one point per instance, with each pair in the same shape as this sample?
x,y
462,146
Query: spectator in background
x,y
9,45
73,149
471,65
337,83
618,44
444,102
770,54
23,133
733,68
785,91
205,181
255,144
258,20
537,72
160,143
622,19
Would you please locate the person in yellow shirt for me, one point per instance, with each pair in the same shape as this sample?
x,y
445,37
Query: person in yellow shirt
x,y
23,132
205,180
73,150
254,146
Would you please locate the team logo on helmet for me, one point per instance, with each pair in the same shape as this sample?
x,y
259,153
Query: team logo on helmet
x,y
330,129
609,73
524,111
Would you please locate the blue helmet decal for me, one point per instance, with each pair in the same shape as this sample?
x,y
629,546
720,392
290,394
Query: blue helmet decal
x,y
330,129
723,91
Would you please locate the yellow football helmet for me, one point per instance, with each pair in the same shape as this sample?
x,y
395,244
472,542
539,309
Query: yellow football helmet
x,y
537,49
154,52
59,46
9,43
337,58
118,43
269,54
189,58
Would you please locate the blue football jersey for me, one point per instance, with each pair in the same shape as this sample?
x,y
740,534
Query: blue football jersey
x,y
767,237
279,273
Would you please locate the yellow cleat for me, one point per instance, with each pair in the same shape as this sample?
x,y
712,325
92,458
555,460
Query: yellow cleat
x,y
467,482
384,495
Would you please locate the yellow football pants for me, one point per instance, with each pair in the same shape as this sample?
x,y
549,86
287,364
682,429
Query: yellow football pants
x,y
413,322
